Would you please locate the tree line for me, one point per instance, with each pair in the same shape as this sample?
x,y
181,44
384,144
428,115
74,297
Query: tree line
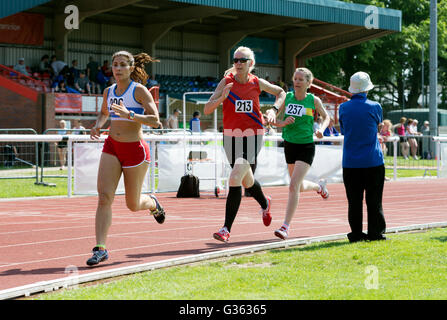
x,y
393,61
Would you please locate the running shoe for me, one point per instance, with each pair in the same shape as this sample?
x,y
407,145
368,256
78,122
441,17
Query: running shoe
x,y
98,256
266,216
222,235
282,233
323,192
158,212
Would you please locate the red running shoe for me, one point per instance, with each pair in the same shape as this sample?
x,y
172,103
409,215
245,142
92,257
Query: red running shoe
x,y
266,216
323,192
222,235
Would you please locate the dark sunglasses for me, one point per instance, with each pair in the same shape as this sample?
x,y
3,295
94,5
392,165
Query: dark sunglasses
x,y
241,60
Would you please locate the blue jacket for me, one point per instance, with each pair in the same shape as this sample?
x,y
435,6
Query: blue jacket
x,y
359,118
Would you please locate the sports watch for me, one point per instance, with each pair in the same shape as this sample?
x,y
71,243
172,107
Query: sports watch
x,y
131,115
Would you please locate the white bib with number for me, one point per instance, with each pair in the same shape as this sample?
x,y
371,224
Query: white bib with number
x,y
296,110
244,106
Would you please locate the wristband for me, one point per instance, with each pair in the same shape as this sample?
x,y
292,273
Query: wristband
x,y
131,115
276,109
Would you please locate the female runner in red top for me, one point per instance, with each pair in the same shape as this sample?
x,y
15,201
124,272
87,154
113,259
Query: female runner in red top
x,y
243,132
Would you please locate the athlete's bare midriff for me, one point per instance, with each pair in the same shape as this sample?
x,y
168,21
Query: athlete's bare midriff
x,y
126,131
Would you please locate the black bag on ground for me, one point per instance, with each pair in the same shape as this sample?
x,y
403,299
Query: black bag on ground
x,y
189,187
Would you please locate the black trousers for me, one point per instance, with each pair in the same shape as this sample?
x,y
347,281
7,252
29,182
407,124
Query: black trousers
x,y
368,181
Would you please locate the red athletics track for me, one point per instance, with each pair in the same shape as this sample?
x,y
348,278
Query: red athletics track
x,y
39,238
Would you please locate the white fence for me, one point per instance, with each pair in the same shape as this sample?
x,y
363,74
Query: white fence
x,y
170,159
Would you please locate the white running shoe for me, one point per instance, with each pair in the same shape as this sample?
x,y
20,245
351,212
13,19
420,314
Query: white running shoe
x,y
282,233
324,192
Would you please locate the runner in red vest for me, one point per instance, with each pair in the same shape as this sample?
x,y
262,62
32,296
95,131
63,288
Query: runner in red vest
x,y
243,132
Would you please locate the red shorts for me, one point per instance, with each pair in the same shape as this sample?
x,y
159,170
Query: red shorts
x,y
129,154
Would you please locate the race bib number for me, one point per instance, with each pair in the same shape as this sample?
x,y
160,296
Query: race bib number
x,y
112,101
296,110
116,101
244,106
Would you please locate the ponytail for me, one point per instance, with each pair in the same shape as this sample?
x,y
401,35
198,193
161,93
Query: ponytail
x,y
139,73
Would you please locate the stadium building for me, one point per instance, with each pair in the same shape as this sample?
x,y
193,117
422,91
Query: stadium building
x,y
194,40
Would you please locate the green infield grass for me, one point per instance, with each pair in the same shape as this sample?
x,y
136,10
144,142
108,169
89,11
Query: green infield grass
x,y
16,188
407,266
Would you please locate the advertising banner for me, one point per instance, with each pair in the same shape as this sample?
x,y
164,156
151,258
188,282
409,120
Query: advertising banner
x,y
67,103
22,28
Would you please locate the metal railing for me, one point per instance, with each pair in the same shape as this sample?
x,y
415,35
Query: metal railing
x,y
415,152
19,160
37,156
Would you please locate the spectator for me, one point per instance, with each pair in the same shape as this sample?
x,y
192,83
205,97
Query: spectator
x,y
62,145
82,84
10,154
69,75
426,143
151,82
92,73
384,134
426,128
102,80
57,65
404,145
61,87
65,81
411,132
331,131
74,71
194,123
363,164
107,69
172,122
21,67
44,65
78,126
414,127
317,123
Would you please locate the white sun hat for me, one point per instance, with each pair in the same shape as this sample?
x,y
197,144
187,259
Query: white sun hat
x,y
360,82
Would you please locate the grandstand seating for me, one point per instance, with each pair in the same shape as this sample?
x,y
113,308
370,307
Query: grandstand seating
x,y
33,83
171,84
176,85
